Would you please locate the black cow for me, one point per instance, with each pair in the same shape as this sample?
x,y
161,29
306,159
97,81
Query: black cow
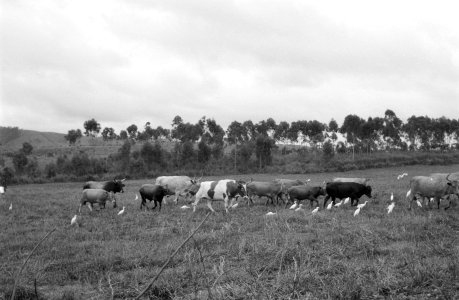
x,y
152,192
114,186
302,192
342,190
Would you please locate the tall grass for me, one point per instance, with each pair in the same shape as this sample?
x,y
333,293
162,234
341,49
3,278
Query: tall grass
x,y
241,255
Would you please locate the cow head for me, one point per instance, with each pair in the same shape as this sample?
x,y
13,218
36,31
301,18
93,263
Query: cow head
x,y
453,183
118,185
241,189
368,191
320,191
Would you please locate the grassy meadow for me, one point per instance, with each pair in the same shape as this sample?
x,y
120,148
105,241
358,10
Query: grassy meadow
x,y
241,255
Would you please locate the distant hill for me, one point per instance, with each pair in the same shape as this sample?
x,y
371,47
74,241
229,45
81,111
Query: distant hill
x,y
12,138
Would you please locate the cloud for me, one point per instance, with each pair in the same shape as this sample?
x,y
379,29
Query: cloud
x,y
125,62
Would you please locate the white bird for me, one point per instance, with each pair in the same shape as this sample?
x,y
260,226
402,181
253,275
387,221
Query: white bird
x,y
309,179
419,203
294,205
362,205
136,197
405,174
299,207
399,176
74,220
357,211
390,207
431,199
339,203
346,201
391,196
234,205
270,214
329,206
408,193
121,212
2,190
185,207
315,210
11,206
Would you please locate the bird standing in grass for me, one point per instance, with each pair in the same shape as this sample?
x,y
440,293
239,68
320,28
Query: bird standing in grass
x,y
234,205
419,203
339,203
294,205
391,196
185,207
121,212
329,206
390,207
11,206
315,210
270,214
346,201
136,197
74,220
357,211
362,205
299,207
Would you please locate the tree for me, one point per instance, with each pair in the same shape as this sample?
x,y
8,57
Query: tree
x,y
73,135
328,151
151,154
92,127
19,161
391,128
108,133
333,126
204,152
352,127
132,131
27,148
263,147
280,134
123,135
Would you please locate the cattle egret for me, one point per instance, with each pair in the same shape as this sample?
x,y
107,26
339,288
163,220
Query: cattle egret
x,y
346,201
185,207
294,205
136,197
419,203
390,207
11,206
329,206
121,212
2,190
431,199
234,205
408,193
315,210
270,214
391,196
357,211
399,176
74,220
309,179
339,203
405,174
362,205
299,207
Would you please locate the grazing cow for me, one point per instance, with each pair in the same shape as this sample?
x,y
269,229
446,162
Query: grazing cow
x,y
363,181
343,190
91,196
269,189
435,186
286,184
178,185
225,190
114,186
152,192
302,192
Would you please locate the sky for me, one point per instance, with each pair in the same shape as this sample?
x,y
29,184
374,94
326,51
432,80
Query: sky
x,y
127,62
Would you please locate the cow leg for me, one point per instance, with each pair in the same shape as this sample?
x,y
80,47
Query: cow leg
x,y
154,201
176,197
195,203
89,205
159,205
209,205
326,199
449,202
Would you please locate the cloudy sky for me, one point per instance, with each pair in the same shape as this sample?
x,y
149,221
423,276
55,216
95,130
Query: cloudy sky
x,y
130,62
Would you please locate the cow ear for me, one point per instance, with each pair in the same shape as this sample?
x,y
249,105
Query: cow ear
x,y
449,183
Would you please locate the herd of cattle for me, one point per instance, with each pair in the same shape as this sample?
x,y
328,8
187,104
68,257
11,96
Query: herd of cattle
x,y
433,187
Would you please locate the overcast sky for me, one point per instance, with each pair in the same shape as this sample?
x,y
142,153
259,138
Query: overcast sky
x,y
132,62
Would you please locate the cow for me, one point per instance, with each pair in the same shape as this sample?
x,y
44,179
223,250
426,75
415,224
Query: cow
x,y
226,190
302,192
152,192
269,189
288,183
435,186
363,181
91,196
114,186
343,190
178,185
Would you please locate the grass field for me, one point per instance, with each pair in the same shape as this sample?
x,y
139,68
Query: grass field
x,y
241,255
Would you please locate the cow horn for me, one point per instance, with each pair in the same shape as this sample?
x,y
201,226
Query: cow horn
x,y
447,177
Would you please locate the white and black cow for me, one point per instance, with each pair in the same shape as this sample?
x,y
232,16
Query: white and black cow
x,y
152,192
114,186
343,190
226,190
91,196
